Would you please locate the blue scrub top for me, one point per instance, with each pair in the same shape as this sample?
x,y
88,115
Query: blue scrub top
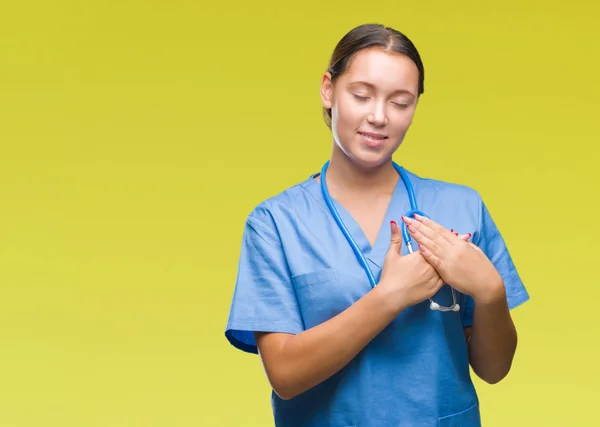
x,y
297,270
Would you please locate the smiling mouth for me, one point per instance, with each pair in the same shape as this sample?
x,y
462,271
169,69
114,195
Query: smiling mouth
x,y
373,137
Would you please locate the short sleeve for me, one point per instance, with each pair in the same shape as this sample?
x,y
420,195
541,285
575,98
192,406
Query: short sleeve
x,y
263,297
490,241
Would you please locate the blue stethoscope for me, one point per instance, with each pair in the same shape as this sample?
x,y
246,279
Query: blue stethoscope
x,y
405,235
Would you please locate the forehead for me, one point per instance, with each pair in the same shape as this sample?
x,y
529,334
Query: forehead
x,y
382,68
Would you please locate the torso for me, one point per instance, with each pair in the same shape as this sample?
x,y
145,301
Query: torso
x,y
298,269
418,365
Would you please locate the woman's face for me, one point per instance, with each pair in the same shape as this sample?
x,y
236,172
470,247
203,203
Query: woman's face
x,y
372,105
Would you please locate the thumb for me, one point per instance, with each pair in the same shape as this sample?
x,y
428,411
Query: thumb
x,y
396,239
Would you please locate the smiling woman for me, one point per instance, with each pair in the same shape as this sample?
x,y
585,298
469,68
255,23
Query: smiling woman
x,y
343,348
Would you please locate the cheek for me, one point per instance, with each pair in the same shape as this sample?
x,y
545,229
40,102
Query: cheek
x,y
350,113
402,120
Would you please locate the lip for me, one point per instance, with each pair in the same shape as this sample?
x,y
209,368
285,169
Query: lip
x,y
372,142
374,135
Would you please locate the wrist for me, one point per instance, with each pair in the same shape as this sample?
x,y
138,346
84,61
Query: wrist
x,y
390,298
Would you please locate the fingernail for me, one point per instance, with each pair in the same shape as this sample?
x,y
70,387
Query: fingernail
x,y
393,222
407,219
419,217
469,234
455,233
422,248
452,230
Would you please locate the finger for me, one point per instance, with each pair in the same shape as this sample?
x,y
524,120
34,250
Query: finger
x,y
429,256
442,231
396,239
426,235
464,237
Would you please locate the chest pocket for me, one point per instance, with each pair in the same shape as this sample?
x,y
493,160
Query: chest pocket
x,y
323,294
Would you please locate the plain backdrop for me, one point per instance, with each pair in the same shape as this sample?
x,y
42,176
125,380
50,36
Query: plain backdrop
x,y
136,136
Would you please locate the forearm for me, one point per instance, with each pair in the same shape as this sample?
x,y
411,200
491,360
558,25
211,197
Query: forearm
x,y
303,361
493,340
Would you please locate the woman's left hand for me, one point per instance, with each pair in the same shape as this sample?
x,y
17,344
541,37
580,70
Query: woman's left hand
x,y
460,263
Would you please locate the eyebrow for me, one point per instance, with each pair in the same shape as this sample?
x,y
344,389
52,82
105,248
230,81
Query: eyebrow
x,y
372,86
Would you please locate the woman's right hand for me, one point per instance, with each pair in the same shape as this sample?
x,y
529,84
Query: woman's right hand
x,y
410,279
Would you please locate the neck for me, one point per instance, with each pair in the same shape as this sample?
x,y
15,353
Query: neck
x,y
343,176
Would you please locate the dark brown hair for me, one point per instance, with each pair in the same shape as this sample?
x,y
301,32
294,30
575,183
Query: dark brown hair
x,y
366,36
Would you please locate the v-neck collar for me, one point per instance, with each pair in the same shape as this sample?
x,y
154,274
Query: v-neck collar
x,y
398,206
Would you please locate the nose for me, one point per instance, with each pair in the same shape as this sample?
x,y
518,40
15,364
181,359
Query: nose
x,y
378,116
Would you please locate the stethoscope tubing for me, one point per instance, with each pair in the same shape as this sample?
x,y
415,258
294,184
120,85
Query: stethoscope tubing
x,y
405,235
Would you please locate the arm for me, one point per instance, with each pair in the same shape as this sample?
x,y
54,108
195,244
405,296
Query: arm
x,y
296,363
492,339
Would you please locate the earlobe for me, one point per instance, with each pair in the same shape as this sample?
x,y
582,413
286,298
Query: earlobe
x,y
326,90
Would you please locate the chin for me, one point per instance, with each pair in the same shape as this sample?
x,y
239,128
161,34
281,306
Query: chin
x,y
370,160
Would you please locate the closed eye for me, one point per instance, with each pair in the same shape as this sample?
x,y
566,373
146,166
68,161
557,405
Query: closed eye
x,y
401,105
361,98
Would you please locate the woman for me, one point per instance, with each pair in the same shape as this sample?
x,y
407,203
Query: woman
x,y
389,341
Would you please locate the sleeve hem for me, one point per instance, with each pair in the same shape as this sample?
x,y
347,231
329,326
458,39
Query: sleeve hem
x,y
518,300
262,326
241,334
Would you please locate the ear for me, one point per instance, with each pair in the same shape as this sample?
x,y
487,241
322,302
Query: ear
x,y
326,90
